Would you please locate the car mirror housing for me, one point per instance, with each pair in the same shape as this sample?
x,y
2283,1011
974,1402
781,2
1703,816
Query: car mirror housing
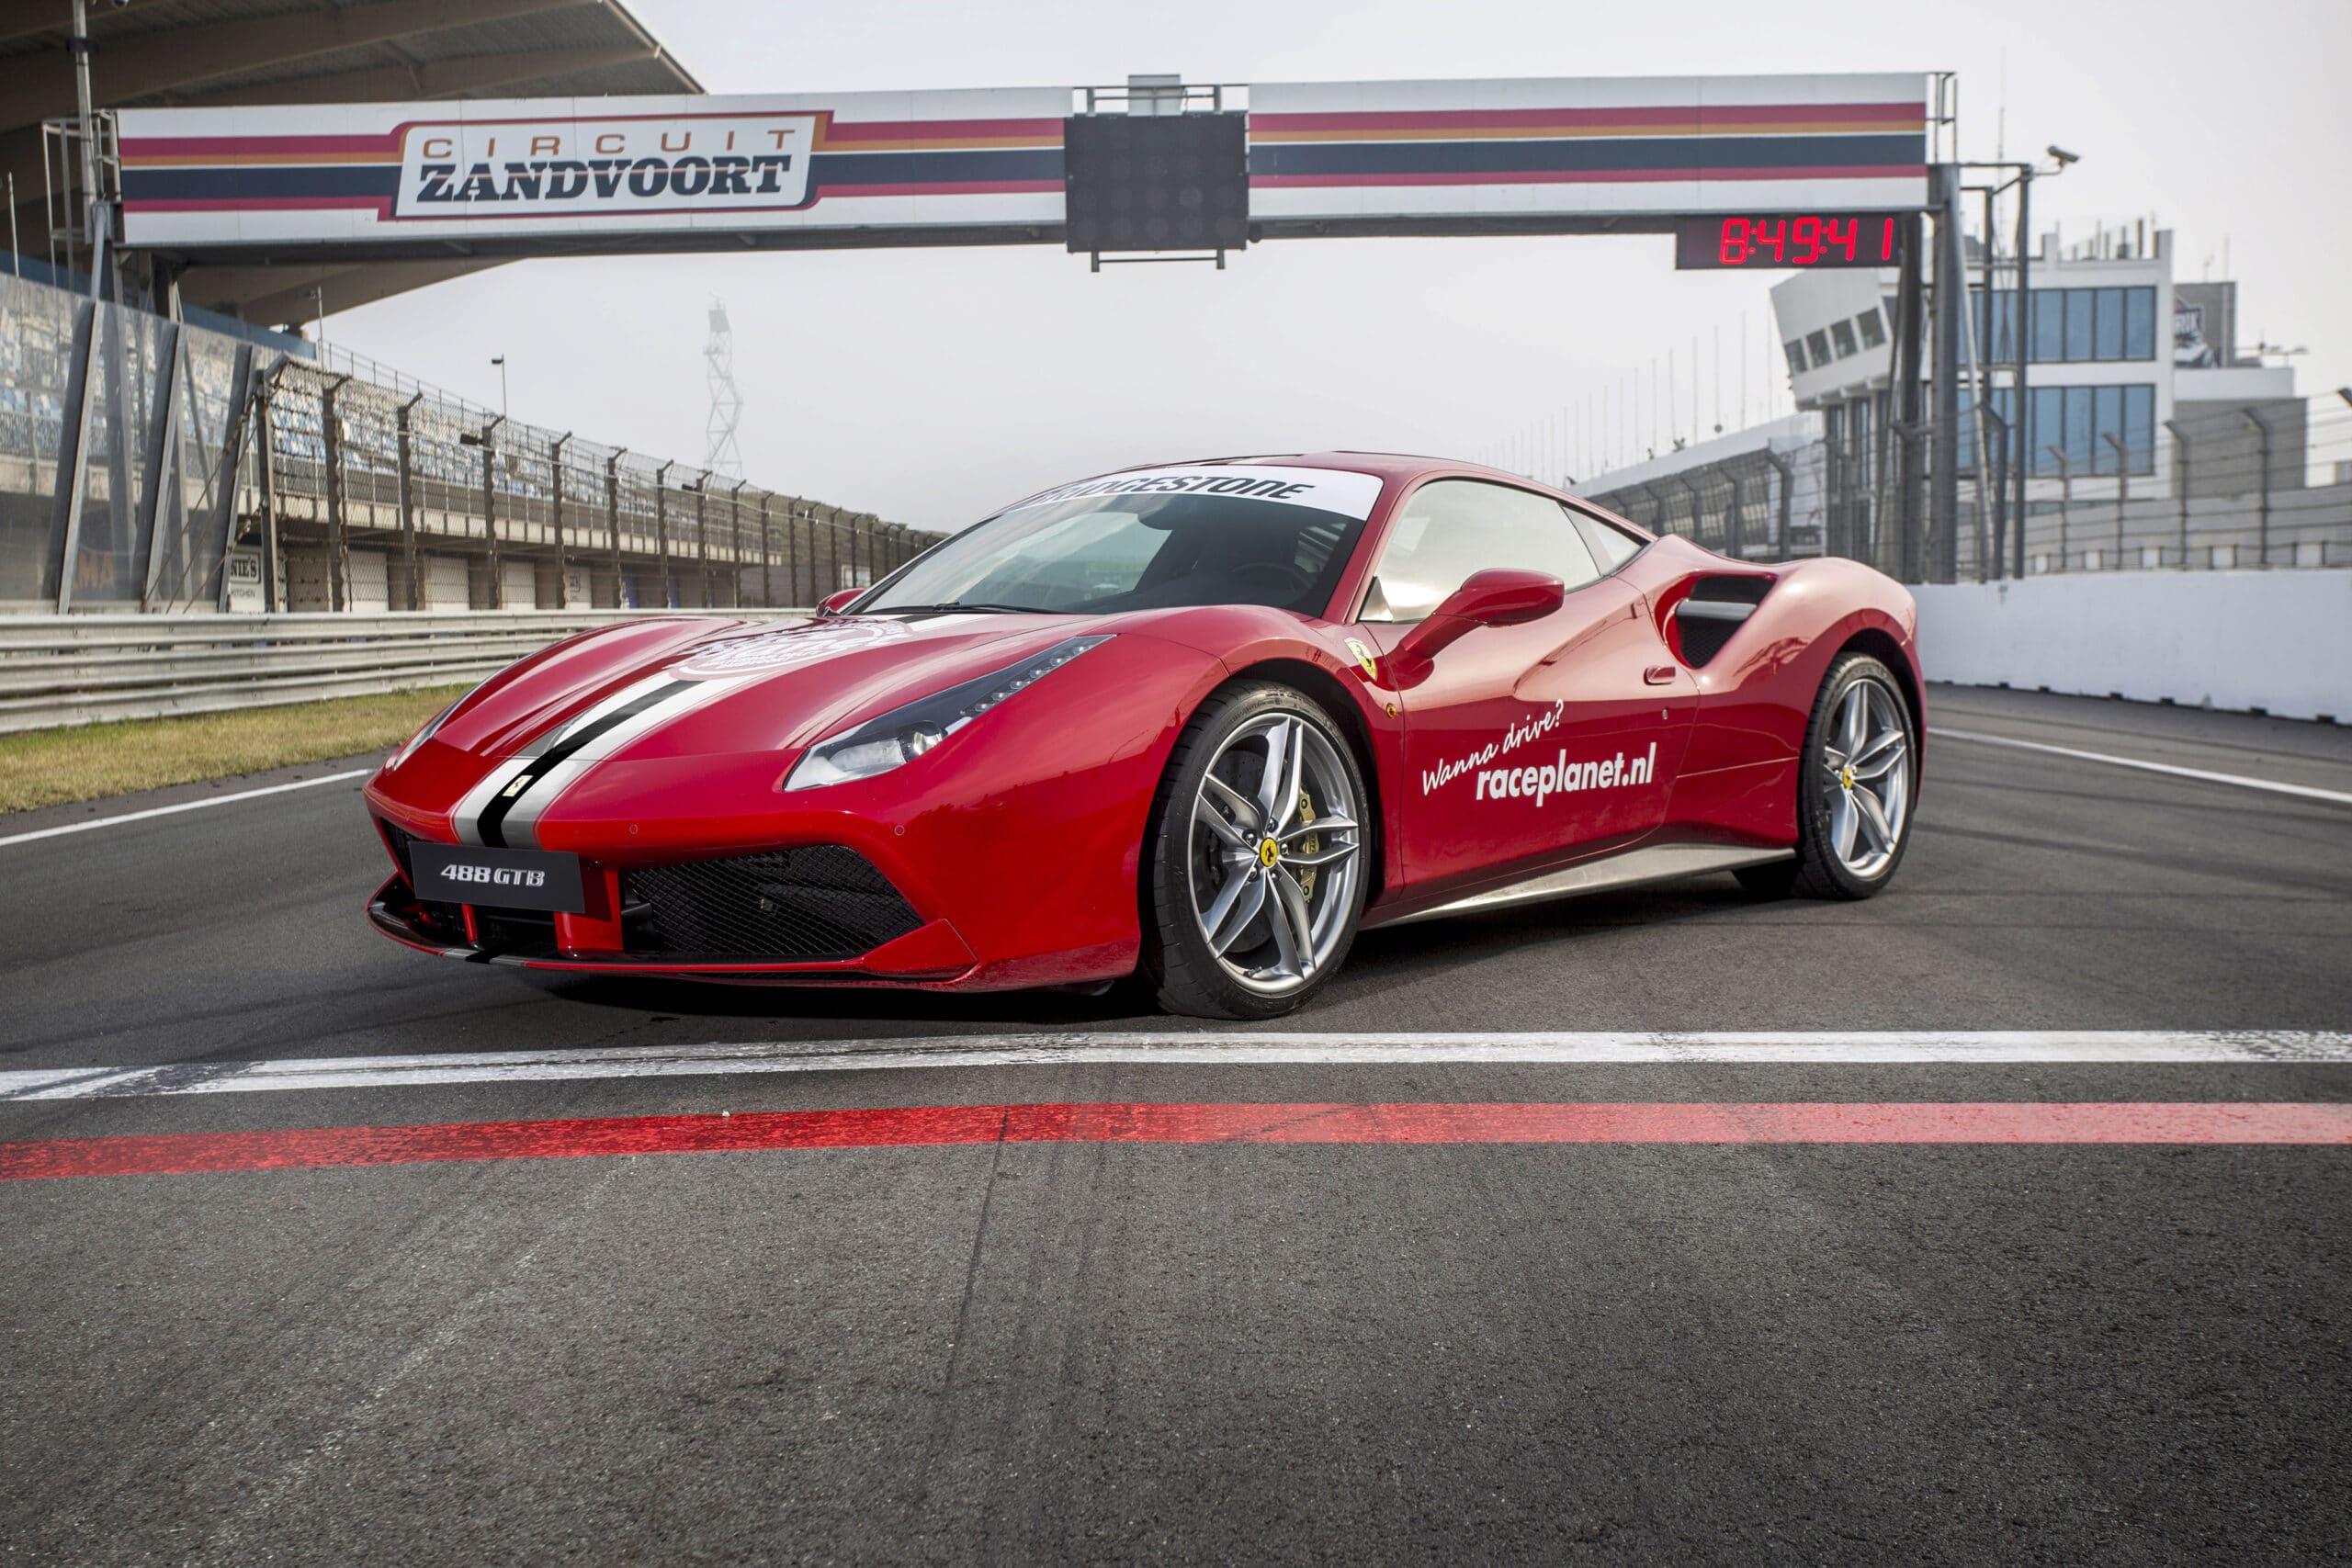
x,y
1501,596
841,598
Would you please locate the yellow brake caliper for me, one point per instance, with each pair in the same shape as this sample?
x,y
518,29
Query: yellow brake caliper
x,y
1308,845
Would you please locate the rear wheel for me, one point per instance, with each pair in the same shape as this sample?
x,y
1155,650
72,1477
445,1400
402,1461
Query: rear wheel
x,y
1854,789
1253,868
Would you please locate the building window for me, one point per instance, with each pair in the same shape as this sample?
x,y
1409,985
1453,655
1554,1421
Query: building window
x,y
2105,324
1873,327
1796,355
1816,345
2139,323
2107,332
1842,334
2079,340
2077,421
2050,324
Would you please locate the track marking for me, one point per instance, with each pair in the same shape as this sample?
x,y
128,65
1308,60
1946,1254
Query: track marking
x,y
1194,1049
1422,1122
184,806
2275,787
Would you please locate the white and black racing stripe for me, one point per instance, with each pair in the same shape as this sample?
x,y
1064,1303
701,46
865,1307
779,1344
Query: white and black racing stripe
x,y
504,808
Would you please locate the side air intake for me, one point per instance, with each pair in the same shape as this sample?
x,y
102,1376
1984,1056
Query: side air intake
x,y
1717,607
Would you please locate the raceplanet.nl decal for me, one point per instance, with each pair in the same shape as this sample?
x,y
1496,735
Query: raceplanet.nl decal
x,y
1342,490
1561,776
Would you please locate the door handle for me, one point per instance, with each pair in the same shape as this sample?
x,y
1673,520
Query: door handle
x,y
1659,674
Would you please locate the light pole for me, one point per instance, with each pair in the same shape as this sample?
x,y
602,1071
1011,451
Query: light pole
x,y
2022,175
500,360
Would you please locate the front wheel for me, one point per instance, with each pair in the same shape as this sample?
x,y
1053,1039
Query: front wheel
x,y
1854,788
1253,869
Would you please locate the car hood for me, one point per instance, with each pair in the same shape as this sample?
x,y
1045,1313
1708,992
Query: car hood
x,y
706,687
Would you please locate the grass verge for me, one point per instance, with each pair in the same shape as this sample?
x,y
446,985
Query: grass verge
x,y
54,767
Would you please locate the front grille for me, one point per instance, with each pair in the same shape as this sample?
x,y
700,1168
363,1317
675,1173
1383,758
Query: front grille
x,y
821,902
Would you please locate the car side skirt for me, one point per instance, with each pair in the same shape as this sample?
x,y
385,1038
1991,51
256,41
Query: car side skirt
x,y
1630,868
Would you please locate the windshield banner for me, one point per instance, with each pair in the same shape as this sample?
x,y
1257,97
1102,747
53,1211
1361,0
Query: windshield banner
x,y
1343,490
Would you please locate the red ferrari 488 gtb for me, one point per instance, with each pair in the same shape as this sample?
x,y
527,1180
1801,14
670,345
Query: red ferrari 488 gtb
x,y
1206,720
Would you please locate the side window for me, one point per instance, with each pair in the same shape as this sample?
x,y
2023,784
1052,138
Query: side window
x,y
1454,527
1612,545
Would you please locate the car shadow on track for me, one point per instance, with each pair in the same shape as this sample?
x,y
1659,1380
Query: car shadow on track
x,y
1381,960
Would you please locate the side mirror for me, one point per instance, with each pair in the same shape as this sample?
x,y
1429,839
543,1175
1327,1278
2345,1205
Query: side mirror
x,y
835,602
1502,596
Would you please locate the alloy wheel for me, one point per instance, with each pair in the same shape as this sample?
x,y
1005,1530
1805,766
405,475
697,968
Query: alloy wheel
x,y
1273,852
1867,760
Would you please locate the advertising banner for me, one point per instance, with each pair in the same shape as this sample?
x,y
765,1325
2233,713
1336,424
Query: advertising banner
x,y
562,169
1596,147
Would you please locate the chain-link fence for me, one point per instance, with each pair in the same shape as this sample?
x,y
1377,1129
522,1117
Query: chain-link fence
x,y
145,466
2264,483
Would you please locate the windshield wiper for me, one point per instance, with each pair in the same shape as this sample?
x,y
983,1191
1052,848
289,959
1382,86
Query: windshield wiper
x,y
956,606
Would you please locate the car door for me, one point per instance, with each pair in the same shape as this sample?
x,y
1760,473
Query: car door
x,y
1531,743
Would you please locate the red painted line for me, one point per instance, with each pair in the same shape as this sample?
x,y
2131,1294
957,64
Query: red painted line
x,y
1802,1122
290,147
1595,176
1403,121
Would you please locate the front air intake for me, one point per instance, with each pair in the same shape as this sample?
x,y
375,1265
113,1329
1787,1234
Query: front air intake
x,y
802,904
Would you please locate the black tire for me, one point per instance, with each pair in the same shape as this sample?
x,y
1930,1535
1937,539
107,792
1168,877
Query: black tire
x,y
1186,975
1817,871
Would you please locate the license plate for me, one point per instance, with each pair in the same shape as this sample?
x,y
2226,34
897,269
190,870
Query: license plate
x,y
502,879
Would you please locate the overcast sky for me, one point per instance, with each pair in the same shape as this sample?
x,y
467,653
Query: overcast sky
x,y
932,385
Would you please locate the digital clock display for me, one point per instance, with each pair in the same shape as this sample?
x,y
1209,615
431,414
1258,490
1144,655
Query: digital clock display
x,y
1778,241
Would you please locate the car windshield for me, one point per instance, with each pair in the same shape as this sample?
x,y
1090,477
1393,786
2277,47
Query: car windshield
x,y
1149,549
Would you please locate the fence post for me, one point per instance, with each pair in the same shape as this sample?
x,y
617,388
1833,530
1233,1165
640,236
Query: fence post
x,y
701,488
1996,474
73,450
661,526
1698,525
555,513
338,542
767,555
163,456
404,491
735,534
2180,462
1781,467
273,575
2065,500
488,442
1735,522
2262,442
613,526
2122,490
246,383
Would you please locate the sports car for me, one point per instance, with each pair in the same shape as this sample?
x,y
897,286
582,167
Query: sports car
x,y
1204,721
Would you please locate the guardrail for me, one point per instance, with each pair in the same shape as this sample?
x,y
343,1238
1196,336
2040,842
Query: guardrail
x,y
71,669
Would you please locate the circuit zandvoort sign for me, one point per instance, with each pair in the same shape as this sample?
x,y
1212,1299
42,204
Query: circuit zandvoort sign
x,y
532,168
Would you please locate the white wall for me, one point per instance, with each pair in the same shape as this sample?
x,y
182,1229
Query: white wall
x,y
2277,640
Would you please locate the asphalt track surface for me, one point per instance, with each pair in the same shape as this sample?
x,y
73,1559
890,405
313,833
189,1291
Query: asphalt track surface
x,y
1081,1348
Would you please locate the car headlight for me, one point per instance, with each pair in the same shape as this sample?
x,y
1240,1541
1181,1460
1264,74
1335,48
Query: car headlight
x,y
422,736
894,738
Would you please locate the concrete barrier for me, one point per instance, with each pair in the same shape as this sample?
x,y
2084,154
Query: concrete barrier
x,y
2277,641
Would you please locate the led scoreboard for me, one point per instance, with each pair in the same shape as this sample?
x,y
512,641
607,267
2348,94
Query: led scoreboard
x,y
1778,241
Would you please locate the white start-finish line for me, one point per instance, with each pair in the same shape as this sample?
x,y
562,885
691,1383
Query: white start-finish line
x,y
1987,1048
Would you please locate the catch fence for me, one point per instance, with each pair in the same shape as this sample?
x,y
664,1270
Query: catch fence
x,y
150,466
2262,485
